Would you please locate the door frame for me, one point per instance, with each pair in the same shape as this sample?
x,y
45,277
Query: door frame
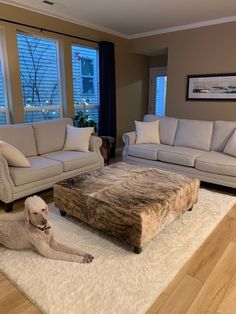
x,y
153,73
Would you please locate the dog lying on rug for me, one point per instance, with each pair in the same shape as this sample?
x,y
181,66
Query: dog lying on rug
x,y
30,230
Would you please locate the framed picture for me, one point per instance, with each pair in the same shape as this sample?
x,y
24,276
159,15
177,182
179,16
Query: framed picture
x,y
211,87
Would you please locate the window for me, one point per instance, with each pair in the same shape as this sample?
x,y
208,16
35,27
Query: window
x,y
85,80
157,94
3,102
160,105
39,77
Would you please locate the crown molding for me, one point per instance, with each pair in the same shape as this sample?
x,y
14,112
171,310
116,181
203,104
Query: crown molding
x,y
69,19
125,36
221,20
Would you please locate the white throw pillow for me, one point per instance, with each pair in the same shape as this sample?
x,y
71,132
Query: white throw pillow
x,y
230,147
147,132
78,138
13,156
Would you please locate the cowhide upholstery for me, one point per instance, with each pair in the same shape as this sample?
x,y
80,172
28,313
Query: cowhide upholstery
x,y
130,202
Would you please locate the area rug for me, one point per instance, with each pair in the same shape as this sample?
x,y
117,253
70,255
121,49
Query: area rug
x,y
118,281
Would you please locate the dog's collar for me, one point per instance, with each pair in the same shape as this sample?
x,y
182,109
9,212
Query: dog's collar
x,y
41,228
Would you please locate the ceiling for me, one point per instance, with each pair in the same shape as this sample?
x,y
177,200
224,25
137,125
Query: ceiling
x,y
136,18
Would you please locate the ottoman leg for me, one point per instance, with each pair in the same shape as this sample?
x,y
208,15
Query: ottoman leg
x,y
62,212
137,249
190,209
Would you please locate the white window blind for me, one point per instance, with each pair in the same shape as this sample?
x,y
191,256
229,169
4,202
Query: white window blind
x,y
85,80
161,82
39,77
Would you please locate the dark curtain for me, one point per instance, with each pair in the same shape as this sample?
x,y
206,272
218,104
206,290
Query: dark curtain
x,y
107,113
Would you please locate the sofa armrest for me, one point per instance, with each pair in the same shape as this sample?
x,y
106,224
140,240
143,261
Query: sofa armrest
x,y
129,139
6,184
95,143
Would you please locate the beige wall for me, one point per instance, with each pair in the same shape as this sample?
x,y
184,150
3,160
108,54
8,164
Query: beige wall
x,y
202,50
158,61
131,69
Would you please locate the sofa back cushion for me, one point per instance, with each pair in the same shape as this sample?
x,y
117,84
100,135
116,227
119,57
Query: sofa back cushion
x,y
168,127
221,134
194,134
20,136
50,135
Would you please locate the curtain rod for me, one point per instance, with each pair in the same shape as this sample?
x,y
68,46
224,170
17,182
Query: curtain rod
x,y
49,31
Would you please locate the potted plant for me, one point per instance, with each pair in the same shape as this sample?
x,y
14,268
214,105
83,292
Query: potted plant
x,y
82,119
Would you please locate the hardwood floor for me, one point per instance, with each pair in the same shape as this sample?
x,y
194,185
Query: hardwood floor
x,y
206,284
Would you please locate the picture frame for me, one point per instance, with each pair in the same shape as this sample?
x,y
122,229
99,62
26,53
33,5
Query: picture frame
x,y
211,87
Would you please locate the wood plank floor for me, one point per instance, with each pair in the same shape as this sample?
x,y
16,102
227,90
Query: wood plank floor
x,y
206,283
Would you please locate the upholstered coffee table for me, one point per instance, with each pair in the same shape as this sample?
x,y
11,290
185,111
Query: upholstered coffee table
x,y
132,203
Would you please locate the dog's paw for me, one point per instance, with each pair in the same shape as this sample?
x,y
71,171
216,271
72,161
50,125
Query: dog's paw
x,y
88,258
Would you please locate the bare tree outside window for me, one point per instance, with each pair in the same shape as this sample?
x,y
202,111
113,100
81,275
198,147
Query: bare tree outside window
x,y
39,77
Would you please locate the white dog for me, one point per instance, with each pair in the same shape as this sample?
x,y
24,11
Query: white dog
x,y
32,231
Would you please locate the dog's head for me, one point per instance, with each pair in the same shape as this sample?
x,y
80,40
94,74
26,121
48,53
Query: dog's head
x,y
35,207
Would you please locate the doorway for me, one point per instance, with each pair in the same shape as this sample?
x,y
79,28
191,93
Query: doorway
x,y
157,90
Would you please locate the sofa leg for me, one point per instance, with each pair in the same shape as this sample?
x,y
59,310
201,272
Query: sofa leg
x,y
137,249
62,212
9,207
190,209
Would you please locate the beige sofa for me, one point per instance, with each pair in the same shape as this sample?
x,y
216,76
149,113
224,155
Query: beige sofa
x,y
42,143
191,147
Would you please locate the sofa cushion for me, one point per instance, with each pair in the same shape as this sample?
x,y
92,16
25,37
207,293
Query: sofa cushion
x,y
194,134
12,155
20,136
50,135
147,151
230,147
168,127
216,162
41,168
147,132
179,155
151,118
72,160
221,134
77,138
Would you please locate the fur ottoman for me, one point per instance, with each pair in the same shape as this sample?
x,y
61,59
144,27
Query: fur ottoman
x,y
132,203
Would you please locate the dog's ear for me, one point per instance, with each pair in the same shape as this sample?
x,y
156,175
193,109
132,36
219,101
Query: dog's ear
x,y
26,213
46,209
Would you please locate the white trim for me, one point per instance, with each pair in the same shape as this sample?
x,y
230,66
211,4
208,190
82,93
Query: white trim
x,y
41,108
220,20
86,106
4,69
69,19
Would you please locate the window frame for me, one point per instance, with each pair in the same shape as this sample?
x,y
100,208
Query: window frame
x,y
60,92
87,76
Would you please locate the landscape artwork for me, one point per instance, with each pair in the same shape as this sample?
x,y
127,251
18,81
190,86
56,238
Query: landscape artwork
x,y
211,87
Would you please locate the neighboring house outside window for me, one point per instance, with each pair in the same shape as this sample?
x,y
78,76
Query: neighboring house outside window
x,y
85,80
40,78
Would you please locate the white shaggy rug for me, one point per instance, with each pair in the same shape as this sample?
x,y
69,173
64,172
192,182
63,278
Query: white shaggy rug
x,y
117,281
